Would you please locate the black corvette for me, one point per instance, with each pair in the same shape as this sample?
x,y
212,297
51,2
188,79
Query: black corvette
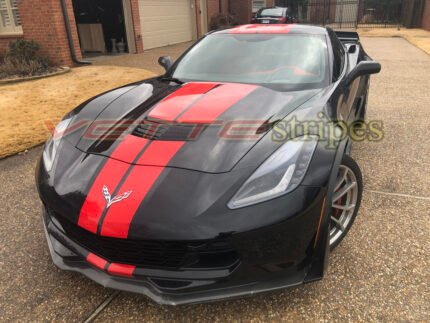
x,y
227,176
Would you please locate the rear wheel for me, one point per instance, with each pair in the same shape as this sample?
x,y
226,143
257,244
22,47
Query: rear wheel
x,y
346,200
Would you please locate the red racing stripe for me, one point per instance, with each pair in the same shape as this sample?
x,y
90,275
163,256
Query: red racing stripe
x,y
210,107
245,29
117,221
121,270
159,153
96,261
262,29
110,175
169,108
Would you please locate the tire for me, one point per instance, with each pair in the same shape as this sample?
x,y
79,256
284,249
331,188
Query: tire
x,y
341,220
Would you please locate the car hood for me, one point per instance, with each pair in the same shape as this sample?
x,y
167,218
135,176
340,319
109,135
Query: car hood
x,y
207,127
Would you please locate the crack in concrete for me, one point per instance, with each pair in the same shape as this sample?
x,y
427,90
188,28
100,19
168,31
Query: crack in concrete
x,y
101,307
399,195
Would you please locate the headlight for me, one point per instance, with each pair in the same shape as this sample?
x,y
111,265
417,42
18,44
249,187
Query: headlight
x,y
53,142
281,173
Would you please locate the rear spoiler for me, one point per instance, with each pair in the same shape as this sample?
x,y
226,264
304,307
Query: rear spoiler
x,y
348,36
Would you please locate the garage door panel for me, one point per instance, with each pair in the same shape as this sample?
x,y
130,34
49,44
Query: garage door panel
x,y
164,10
165,22
164,26
163,38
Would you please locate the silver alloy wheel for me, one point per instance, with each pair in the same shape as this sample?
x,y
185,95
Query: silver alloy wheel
x,y
344,202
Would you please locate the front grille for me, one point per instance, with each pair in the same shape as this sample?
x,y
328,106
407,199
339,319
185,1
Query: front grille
x,y
153,254
167,131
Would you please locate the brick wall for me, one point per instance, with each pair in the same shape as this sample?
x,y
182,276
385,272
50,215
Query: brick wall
x,y
426,16
4,42
242,9
212,10
43,21
214,6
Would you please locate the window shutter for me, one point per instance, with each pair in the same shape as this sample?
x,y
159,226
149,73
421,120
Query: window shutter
x,y
15,12
10,20
5,18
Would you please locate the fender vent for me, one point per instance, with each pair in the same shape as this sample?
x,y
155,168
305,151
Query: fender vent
x,y
167,131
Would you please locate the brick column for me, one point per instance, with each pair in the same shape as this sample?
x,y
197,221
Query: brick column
x,y
426,16
136,25
198,18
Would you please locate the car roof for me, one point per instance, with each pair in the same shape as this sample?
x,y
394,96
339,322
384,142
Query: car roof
x,y
273,7
274,29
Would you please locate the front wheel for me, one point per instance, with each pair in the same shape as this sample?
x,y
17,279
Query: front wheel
x,y
346,200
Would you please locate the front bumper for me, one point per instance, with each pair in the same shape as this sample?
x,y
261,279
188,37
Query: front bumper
x,y
262,266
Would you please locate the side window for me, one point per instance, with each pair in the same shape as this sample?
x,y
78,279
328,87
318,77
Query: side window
x,y
338,55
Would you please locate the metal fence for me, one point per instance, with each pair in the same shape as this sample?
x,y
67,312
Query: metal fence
x,y
347,14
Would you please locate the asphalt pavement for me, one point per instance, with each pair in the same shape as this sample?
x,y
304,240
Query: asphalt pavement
x,y
379,273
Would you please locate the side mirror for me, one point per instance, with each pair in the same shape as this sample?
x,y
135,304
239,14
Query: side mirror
x,y
166,62
363,68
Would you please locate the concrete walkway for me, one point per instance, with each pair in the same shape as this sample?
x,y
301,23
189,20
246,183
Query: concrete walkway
x,y
379,273
147,60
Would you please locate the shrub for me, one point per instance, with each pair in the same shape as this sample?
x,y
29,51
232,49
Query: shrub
x,y
22,50
10,68
21,59
221,20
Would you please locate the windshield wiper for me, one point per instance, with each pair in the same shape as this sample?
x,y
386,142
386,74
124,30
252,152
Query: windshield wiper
x,y
172,79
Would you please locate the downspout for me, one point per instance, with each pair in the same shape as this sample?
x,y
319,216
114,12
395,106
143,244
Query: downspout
x,y
220,6
69,35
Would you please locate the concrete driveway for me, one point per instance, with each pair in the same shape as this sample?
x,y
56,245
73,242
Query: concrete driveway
x,y
147,60
379,273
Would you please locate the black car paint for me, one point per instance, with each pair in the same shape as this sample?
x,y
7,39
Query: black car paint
x,y
273,241
263,105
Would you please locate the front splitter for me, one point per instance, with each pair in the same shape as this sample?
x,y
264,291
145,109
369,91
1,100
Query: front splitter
x,y
68,258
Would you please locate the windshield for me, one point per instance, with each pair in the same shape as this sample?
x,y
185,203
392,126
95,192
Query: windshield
x,y
271,12
294,60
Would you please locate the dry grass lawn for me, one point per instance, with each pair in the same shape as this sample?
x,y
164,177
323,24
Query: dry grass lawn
x,y
26,107
418,37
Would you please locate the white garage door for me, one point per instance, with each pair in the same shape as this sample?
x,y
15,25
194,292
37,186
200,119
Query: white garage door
x,y
166,22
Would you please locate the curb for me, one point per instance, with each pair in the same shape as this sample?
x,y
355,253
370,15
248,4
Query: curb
x,y
61,70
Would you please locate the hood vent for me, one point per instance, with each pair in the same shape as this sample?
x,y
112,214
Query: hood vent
x,y
167,131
